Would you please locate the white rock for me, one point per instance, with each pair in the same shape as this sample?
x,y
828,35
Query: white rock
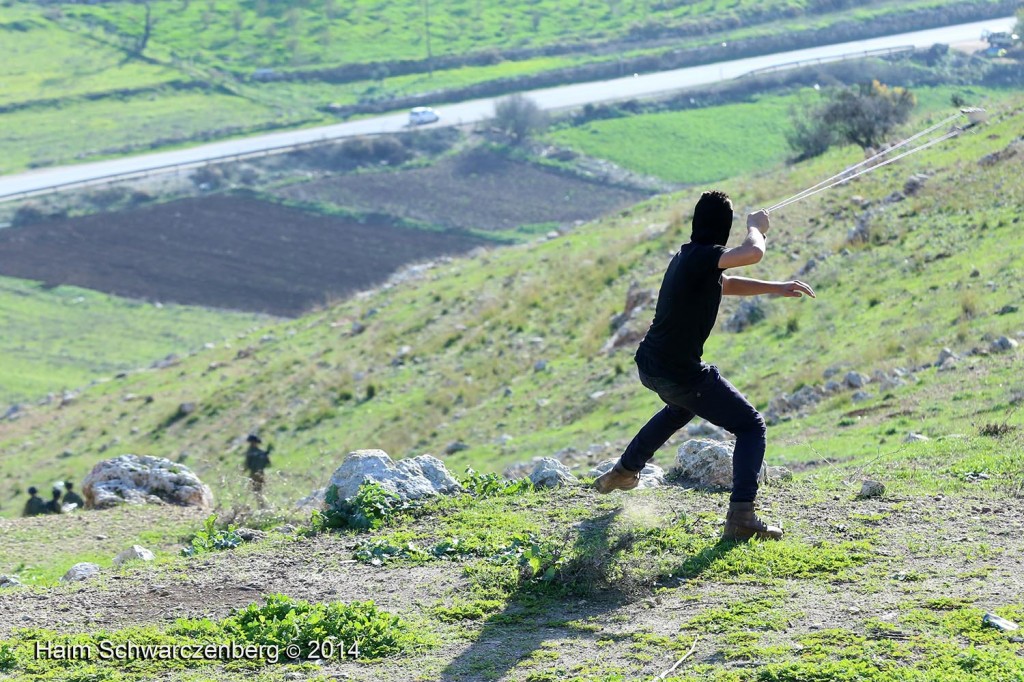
x,y
134,553
749,312
871,489
944,355
768,474
82,571
705,462
9,581
1003,344
410,479
134,479
855,379
651,476
550,473
915,438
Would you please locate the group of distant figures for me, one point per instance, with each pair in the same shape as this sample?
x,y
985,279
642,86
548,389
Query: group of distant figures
x,y
64,499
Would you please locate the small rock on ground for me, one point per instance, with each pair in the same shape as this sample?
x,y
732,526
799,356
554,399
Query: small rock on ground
x,y
870,489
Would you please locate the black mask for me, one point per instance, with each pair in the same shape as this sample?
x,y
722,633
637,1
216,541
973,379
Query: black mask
x,y
712,220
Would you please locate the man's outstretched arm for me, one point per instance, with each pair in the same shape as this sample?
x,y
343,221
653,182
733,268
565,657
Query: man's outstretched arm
x,y
743,286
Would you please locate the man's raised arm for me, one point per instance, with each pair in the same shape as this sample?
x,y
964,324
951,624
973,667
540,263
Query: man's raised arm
x,y
753,247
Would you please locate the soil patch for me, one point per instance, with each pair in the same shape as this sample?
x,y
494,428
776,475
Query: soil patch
x,y
223,252
479,189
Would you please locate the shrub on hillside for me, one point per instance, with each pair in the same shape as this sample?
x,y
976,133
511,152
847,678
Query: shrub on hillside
x,y
866,114
29,214
863,115
809,137
519,117
373,507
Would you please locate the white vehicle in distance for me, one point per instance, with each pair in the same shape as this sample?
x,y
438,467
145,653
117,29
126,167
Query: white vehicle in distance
x,y
421,115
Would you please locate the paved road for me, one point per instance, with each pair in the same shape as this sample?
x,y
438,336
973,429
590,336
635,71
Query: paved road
x,y
477,110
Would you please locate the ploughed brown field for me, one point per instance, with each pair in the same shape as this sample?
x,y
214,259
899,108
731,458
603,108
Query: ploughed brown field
x,y
223,252
476,190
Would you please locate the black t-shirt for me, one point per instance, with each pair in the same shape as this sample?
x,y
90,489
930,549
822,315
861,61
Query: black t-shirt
x,y
687,307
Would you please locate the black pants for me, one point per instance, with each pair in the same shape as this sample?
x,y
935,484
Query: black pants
x,y
715,400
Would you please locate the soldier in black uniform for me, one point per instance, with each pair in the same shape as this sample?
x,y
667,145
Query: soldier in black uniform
x,y
53,506
71,497
256,460
34,506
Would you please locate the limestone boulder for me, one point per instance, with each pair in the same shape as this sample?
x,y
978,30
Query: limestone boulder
x,y
1004,344
133,553
550,473
855,379
135,479
411,479
651,476
80,572
708,464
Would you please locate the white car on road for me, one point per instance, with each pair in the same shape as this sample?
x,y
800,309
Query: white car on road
x,y
421,115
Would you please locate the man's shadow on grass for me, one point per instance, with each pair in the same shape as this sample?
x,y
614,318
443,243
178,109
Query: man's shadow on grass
x,y
537,612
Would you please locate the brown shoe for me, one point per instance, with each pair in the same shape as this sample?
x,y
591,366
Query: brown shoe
x,y
617,478
741,523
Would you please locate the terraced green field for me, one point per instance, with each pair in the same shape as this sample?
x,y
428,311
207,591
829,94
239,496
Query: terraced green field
x,y
208,69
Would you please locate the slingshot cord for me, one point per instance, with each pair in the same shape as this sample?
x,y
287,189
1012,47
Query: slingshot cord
x,y
787,202
824,184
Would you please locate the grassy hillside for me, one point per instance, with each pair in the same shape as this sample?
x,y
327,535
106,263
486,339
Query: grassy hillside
x,y
452,353
510,583
62,338
77,67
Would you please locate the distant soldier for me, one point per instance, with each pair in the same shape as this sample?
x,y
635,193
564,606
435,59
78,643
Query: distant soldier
x,y
256,460
53,506
71,497
34,506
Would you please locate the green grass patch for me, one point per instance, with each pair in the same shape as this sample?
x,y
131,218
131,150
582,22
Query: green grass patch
x,y
64,337
280,630
694,146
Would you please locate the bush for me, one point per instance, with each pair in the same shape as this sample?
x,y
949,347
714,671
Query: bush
x,y
29,214
373,507
283,621
863,115
211,538
492,485
809,137
519,117
866,114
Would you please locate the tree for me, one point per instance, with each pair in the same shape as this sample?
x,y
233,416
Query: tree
x,y
866,114
519,117
809,136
